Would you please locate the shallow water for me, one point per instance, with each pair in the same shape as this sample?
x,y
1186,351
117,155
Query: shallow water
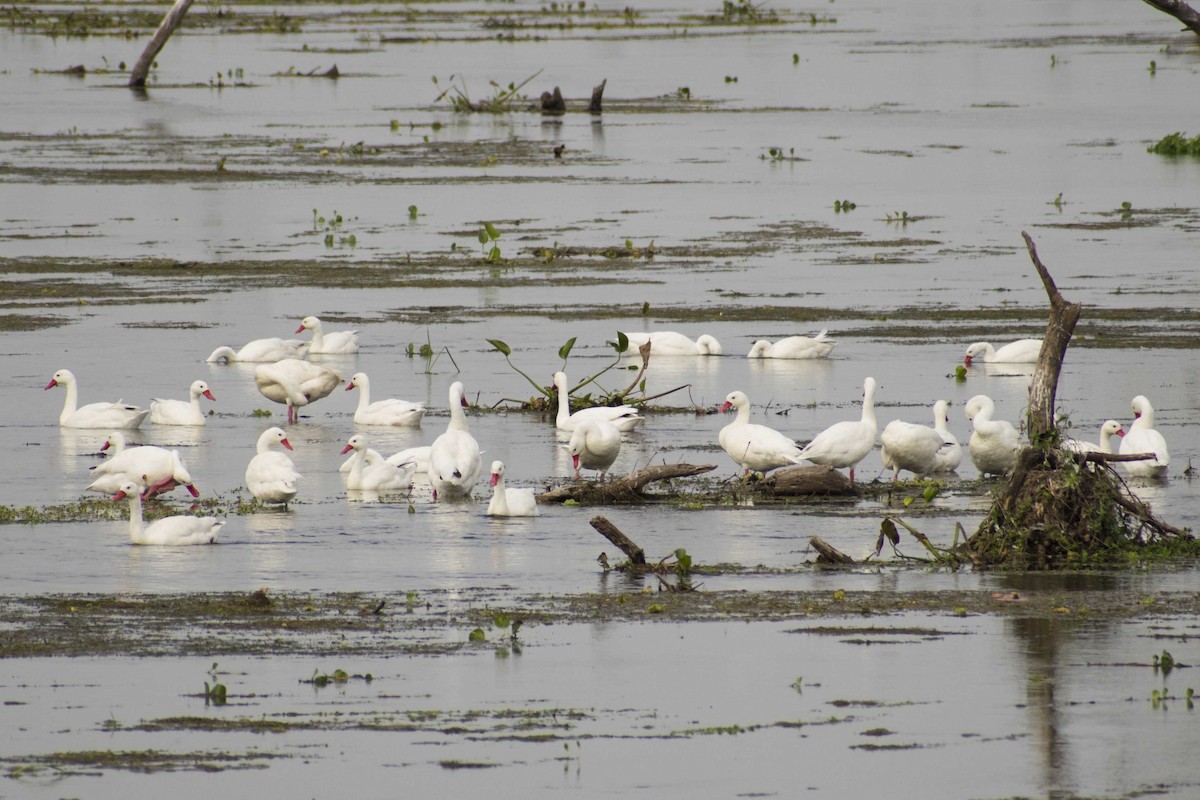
x,y
956,116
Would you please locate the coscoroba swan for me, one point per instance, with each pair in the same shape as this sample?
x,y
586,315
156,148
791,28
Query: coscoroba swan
x,y
754,447
994,443
507,502
159,470
454,457
93,415
670,343
378,477
273,349
331,343
271,476
1022,351
595,444
295,383
624,417
917,448
177,530
844,444
1144,438
181,412
1109,429
382,412
795,347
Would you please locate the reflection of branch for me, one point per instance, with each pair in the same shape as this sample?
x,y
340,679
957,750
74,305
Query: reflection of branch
x,y
1180,11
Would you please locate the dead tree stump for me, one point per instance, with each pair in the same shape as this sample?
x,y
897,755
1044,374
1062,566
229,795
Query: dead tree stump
x,y
137,77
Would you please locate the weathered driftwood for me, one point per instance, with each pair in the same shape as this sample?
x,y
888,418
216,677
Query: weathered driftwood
x,y
800,481
827,553
1042,389
137,77
1180,11
622,490
597,97
611,532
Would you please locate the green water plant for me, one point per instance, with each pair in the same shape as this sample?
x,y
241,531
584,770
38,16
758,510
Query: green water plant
x,y
501,101
215,693
488,235
1176,144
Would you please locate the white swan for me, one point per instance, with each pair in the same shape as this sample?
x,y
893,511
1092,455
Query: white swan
x,y
158,469
1109,429
333,343
273,349
295,383
1143,438
797,347
994,443
754,447
920,449
509,502
378,477
177,530
595,444
624,417
115,440
670,343
844,444
1022,351
382,412
181,412
271,476
93,415
454,457
416,457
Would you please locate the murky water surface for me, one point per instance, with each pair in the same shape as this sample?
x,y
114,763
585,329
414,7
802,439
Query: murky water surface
x,y
969,121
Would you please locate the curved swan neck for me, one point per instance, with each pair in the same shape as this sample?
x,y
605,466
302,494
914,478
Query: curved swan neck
x,y
223,352
135,517
71,402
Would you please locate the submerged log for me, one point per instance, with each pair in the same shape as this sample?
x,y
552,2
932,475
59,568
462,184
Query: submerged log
x,y
800,481
553,102
827,553
137,77
622,490
611,532
597,97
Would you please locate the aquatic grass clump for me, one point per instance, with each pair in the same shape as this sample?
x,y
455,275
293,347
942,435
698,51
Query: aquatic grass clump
x,y
1176,144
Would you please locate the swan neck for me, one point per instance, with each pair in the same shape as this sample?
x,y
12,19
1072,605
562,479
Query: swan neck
x,y
135,518
743,414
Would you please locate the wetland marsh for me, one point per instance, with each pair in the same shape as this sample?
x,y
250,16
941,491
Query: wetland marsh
x,y
241,192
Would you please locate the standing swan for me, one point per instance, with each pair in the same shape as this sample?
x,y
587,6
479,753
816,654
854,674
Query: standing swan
x,y
796,347
844,444
295,383
181,529
335,343
1143,438
181,412
93,415
1022,351
454,457
382,412
754,447
509,502
271,476
595,444
624,417
994,443
917,448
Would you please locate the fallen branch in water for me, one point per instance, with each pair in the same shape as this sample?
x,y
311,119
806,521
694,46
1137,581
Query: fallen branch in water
x,y
622,490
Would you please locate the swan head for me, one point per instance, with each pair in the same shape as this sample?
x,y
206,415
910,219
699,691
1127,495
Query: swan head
x,y
458,395
129,490
115,439
735,399
760,349
1141,405
497,472
1111,427
941,411
64,377
356,380
559,379
356,442
869,386
977,404
201,388
309,324
977,350
277,435
708,345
